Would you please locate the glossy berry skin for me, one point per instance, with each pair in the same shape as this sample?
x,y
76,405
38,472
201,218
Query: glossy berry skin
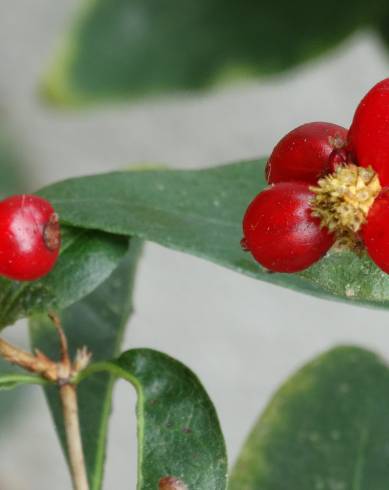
x,y
29,237
280,231
303,154
375,232
369,133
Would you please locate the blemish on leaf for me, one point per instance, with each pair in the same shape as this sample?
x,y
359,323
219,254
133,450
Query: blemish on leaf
x,y
171,483
349,291
344,388
186,430
335,435
319,483
313,436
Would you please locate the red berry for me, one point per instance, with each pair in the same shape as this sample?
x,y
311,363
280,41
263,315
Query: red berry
x,y
279,229
303,154
369,133
29,237
375,232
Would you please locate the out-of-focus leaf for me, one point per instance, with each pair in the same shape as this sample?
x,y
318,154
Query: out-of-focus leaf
x,y
178,429
326,428
200,212
12,171
97,321
87,259
126,48
383,27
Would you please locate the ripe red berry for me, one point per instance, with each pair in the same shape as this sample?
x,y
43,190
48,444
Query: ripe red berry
x,y
375,232
279,229
303,154
369,133
29,237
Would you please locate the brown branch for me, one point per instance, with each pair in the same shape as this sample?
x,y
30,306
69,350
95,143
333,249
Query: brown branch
x,y
38,364
68,394
62,373
65,359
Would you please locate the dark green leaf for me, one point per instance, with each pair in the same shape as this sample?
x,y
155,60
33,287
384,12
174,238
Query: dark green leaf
x,y
87,258
97,321
178,429
383,27
200,212
327,428
134,47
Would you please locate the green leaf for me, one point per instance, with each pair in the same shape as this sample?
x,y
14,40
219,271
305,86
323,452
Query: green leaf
x,y
178,429
87,259
200,212
97,321
126,48
326,428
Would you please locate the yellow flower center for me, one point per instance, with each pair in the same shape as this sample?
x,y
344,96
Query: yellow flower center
x,y
343,199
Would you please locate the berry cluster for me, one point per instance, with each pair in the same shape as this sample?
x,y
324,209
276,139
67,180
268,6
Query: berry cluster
x,y
30,237
327,186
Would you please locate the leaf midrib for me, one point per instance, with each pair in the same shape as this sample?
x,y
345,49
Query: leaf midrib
x,y
124,203
361,458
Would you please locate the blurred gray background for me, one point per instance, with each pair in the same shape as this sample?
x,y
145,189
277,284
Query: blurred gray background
x,y
242,337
